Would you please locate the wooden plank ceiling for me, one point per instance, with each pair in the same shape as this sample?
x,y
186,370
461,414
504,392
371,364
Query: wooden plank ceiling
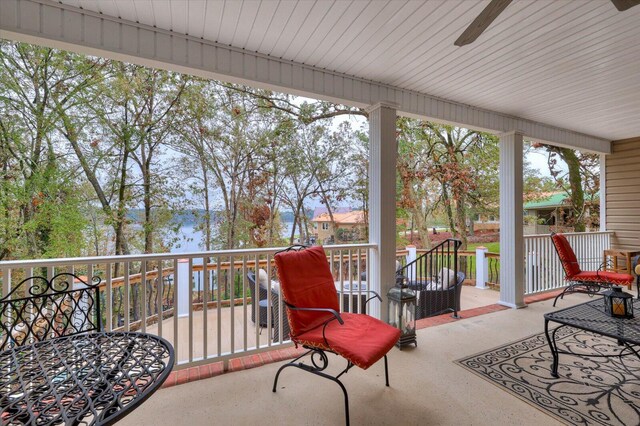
x,y
572,64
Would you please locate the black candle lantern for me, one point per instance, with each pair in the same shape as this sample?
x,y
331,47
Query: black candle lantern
x,y
402,311
617,303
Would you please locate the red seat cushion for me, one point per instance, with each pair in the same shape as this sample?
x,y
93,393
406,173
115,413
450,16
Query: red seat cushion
x,y
362,339
566,254
603,277
306,282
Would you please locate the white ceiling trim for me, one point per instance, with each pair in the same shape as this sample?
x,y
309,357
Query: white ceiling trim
x,y
67,27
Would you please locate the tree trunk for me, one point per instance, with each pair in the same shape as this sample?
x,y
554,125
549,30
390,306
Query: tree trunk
x,y
207,214
148,221
448,210
417,221
70,133
461,221
575,183
297,219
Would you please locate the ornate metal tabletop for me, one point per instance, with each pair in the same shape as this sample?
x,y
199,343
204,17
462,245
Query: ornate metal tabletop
x,y
590,316
85,379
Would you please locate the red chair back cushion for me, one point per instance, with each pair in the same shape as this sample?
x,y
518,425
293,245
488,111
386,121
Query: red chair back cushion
x,y
306,282
566,254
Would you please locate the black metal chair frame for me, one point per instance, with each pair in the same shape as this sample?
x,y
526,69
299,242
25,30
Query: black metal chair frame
x,y
318,356
590,288
53,304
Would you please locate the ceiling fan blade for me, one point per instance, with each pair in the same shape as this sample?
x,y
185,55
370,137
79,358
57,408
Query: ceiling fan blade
x,y
483,20
623,5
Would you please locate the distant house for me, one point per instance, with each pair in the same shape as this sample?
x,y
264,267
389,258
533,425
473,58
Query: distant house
x,y
321,210
486,222
547,213
350,225
549,209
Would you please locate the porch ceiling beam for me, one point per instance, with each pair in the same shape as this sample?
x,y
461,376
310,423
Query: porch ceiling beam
x,y
60,26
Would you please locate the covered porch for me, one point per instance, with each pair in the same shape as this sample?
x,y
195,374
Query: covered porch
x,y
208,40
539,74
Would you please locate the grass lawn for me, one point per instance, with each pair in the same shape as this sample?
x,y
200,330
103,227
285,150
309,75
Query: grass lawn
x,y
493,247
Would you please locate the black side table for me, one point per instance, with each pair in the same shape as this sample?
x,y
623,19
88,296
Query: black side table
x,y
590,316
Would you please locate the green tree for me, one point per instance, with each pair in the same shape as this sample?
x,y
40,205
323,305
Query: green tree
x,y
580,180
41,209
436,171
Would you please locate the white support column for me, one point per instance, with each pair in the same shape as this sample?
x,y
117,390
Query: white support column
x,y
382,200
603,192
183,288
511,232
482,267
412,254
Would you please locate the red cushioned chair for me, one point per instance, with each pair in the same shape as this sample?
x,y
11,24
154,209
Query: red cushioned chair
x,y
589,282
309,293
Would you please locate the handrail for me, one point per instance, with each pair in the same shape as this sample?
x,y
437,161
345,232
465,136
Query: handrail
x,y
28,263
433,297
456,245
214,266
176,294
571,233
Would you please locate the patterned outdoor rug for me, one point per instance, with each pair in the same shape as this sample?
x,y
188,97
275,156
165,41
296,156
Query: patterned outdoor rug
x,y
589,391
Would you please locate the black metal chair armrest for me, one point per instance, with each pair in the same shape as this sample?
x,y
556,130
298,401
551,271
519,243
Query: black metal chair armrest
x,y
604,266
331,311
375,296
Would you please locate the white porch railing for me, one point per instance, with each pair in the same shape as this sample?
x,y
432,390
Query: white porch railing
x,y
543,270
200,302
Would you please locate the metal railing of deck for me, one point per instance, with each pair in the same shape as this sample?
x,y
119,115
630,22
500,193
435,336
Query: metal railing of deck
x,y
148,293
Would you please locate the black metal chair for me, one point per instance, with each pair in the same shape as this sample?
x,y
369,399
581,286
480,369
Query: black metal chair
x,y
261,300
308,292
38,309
589,282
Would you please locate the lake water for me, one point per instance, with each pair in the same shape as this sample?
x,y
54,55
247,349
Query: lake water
x,y
191,239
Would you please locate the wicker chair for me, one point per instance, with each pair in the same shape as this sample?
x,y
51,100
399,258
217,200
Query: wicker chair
x,y
437,301
261,300
277,307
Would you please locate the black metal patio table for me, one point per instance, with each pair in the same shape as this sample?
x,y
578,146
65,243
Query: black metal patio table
x,y
86,379
590,316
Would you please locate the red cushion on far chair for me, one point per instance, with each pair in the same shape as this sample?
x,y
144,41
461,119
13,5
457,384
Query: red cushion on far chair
x,y
362,339
603,277
306,282
566,254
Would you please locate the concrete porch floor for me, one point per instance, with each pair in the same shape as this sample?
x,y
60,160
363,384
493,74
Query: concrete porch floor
x,y
472,297
427,388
